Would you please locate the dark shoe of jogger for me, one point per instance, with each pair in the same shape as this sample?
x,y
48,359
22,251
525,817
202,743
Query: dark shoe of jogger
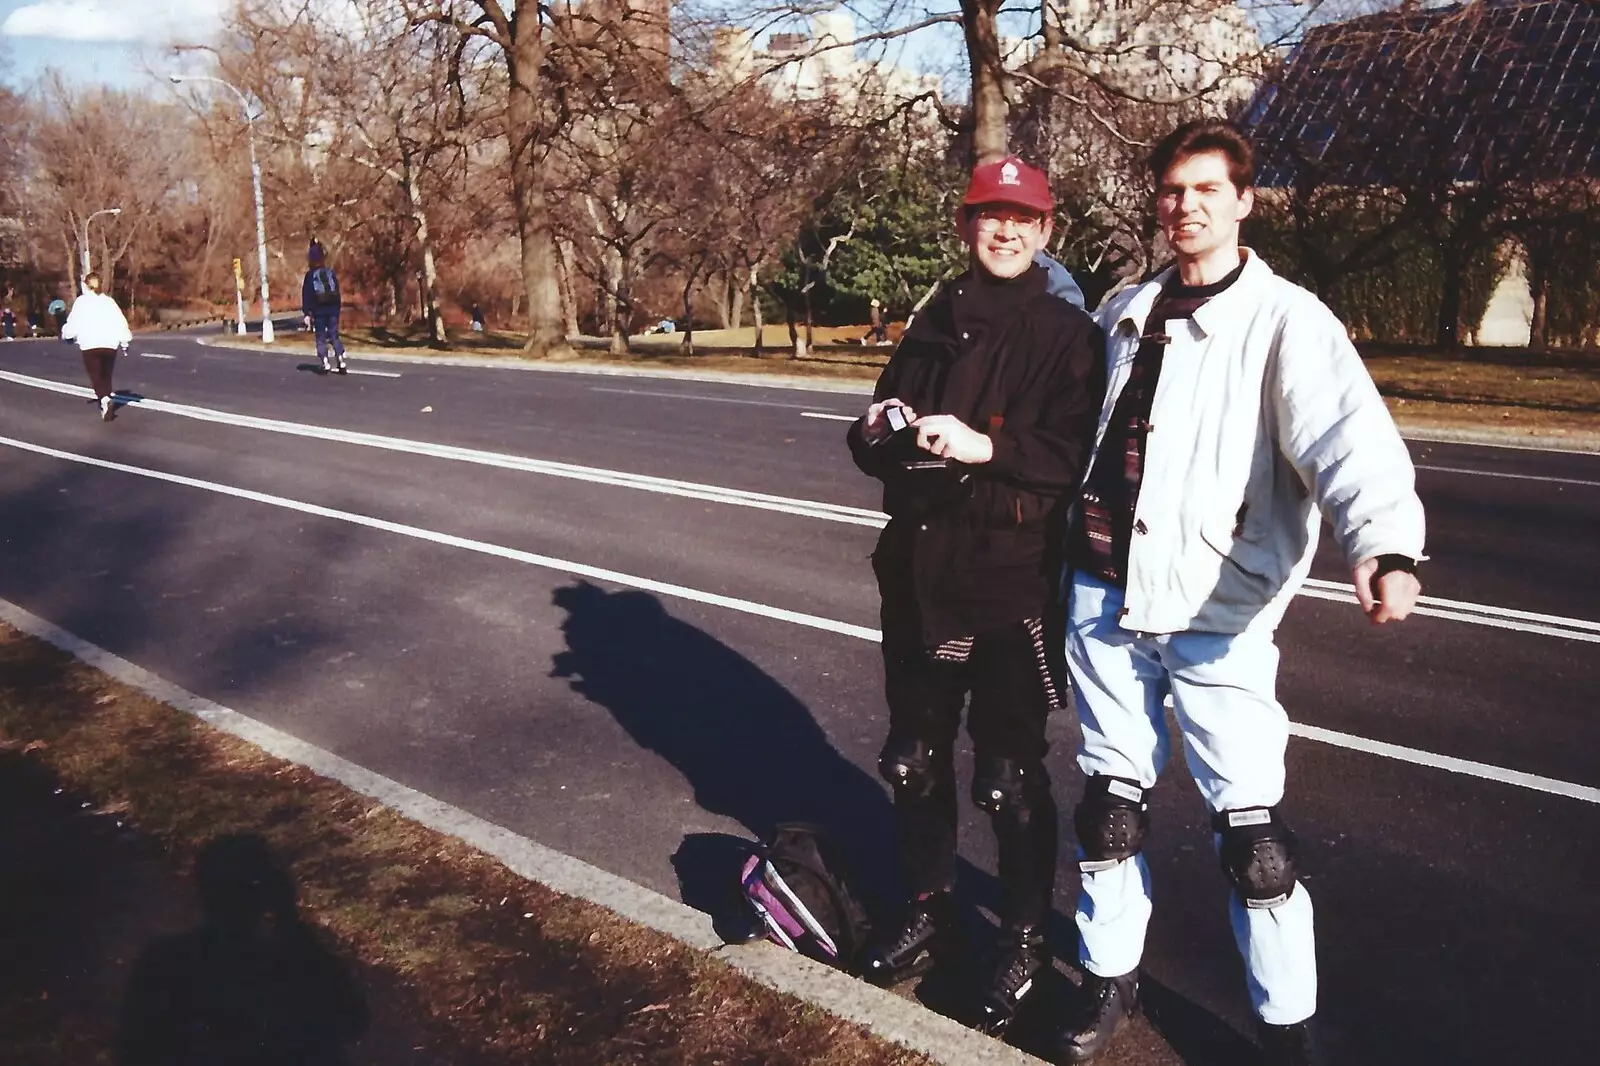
x,y
929,933
1097,1011
1287,1045
1019,959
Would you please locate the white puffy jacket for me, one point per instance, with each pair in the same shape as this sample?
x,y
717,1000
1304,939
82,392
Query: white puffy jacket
x,y
96,321
1263,416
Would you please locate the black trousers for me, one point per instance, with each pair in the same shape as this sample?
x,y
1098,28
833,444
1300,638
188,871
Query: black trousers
x,y
97,363
1009,705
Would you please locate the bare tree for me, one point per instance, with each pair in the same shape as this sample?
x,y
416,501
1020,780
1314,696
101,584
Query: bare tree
x,y
518,32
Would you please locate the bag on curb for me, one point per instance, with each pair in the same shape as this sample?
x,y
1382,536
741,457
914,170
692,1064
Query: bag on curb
x,y
799,886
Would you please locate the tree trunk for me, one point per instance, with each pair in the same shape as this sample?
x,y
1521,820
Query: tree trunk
x,y
1448,332
1539,330
722,299
1538,268
540,271
437,337
618,298
797,343
736,302
755,307
989,109
688,315
569,301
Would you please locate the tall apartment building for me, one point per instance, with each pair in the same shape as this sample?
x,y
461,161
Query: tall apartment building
x,y
822,62
1164,49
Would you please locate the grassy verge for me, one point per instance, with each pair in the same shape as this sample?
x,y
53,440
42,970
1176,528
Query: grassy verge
x,y
497,969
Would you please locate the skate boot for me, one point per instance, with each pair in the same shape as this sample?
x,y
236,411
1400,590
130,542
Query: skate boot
x,y
1097,1012
1019,959
1287,1045
911,949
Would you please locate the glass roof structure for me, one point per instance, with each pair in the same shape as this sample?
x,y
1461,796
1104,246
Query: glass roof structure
x,y
1487,90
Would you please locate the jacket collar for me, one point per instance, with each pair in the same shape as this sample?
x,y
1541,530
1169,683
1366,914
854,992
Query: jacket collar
x,y
1221,308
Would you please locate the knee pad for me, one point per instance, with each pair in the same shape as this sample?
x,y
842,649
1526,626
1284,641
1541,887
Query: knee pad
x,y
1258,854
1111,820
914,767
1012,788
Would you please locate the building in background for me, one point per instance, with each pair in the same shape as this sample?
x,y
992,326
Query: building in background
x,y
820,63
1481,121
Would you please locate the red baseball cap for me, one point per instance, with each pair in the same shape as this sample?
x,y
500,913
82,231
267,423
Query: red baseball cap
x,y
1010,181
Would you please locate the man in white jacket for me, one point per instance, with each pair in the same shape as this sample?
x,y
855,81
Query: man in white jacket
x,y
97,324
1237,417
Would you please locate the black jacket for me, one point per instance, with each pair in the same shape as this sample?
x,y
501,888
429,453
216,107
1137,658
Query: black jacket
x,y
973,548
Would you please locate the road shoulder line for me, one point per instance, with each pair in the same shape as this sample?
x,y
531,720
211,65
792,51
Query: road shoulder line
x,y
886,1015
1588,444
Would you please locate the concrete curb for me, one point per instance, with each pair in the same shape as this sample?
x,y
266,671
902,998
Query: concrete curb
x,y
1578,443
1583,444
901,1021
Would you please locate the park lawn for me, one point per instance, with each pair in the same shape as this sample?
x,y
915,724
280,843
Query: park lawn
x,y
495,969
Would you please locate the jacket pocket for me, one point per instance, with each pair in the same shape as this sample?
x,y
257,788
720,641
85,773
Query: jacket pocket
x,y
1259,559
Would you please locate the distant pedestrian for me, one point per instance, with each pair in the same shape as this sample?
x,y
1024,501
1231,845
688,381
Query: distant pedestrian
x,y
35,320
319,303
879,333
97,324
8,319
58,311
477,319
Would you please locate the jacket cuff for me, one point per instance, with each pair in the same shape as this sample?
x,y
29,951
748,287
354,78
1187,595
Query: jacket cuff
x,y
1007,455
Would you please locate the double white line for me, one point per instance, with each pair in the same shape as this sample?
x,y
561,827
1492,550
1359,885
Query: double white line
x,y
1549,625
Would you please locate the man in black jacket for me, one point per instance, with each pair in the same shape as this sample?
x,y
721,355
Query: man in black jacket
x,y
998,386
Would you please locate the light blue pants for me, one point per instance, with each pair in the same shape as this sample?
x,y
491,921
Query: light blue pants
x,y
326,328
1234,735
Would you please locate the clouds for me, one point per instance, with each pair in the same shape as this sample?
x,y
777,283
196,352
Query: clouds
x,y
121,21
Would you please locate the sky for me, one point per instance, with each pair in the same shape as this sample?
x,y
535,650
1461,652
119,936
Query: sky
x,y
110,42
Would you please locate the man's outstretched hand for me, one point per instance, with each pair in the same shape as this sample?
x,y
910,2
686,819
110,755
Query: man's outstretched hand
x,y
1393,597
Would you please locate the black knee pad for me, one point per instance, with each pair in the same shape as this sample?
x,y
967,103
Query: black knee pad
x,y
914,767
1258,854
1013,788
1111,820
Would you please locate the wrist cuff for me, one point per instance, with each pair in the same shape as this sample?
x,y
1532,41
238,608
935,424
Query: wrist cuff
x,y
1388,564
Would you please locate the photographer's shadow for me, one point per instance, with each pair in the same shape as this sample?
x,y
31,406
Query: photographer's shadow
x,y
252,986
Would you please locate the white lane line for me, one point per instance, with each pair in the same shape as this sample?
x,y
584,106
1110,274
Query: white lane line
x,y
1513,477
1516,477
372,373
156,355
693,490
693,396
1454,610
1551,625
833,418
892,1017
811,621
515,555
1447,762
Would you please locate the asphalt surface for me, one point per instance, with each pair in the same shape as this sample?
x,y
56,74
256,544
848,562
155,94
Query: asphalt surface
x,y
491,646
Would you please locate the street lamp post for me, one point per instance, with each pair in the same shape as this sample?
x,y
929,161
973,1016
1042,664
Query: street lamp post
x,y
255,181
85,245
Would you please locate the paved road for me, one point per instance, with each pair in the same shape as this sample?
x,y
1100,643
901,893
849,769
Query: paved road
x,y
629,617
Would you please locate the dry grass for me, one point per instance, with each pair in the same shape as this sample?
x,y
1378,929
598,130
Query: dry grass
x,y
502,970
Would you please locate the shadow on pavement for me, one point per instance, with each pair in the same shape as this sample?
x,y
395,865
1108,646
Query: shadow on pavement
x,y
750,750
252,984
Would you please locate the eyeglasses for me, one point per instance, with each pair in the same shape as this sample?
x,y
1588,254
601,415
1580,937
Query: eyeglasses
x,y
1021,221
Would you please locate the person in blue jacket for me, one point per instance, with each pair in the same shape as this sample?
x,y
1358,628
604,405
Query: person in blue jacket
x,y
319,303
